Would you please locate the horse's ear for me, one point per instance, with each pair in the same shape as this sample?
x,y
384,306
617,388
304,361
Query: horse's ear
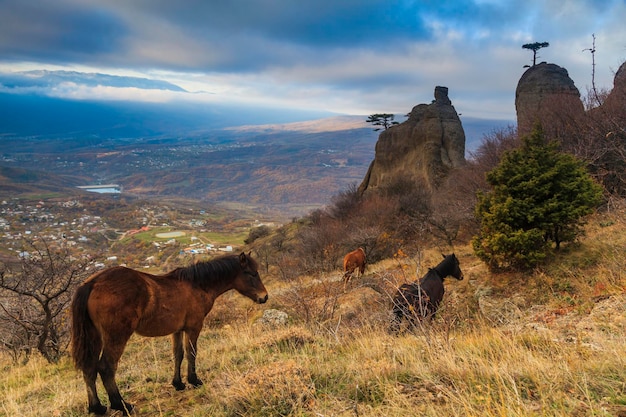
x,y
243,259
444,256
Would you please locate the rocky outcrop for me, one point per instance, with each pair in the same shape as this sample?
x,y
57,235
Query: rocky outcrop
x,y
616,100
546,94
423,148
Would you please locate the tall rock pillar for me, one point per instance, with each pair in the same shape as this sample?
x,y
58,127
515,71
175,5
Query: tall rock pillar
x,y
423,148
546,94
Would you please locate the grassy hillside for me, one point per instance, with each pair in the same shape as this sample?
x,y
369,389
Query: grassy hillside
x,y
549,342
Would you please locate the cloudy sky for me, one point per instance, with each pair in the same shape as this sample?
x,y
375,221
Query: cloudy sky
x,y
343,56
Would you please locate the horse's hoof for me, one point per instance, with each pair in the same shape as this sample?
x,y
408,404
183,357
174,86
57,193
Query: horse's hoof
x,y
98,409
180,386
195,382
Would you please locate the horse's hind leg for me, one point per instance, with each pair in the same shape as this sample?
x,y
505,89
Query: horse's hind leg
x,y
90,373
95,406
346,278
177,347
107,367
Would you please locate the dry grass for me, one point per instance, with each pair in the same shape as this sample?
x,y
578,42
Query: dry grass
x,y
547,343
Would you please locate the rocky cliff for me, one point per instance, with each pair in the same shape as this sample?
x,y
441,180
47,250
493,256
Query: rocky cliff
x,y
423,148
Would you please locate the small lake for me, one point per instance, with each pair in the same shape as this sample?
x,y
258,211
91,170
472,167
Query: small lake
x,y
103,190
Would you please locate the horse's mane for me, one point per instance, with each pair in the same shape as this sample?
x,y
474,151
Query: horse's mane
x,y
209,272
432,273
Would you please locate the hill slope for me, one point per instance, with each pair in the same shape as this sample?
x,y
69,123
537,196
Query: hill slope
x,y
491,352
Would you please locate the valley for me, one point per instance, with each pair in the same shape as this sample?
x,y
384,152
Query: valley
x,y
285,173
282,170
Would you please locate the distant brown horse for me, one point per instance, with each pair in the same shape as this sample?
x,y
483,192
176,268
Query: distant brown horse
x,y
113,304
420,300
353,261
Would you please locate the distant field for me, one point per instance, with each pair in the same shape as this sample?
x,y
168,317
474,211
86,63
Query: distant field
x,y
169,235
185,237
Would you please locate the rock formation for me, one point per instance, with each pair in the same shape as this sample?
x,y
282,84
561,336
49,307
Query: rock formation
x,y
423,148
545,93
616,99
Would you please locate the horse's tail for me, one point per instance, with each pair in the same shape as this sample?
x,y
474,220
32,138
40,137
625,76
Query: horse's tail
x,y
85,336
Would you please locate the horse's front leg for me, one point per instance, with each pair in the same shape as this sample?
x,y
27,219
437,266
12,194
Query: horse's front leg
x,y
396,320
191,351
177,347
433,307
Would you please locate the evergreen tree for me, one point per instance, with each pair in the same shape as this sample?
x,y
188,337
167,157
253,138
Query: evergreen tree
x,y
539,196
535,46
381,119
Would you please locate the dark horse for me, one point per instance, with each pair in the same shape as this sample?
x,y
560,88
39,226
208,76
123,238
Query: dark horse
x,y
113,304
420,300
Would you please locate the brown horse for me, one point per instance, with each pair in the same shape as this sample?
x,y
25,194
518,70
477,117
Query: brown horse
x,y
114,303
353,261
420,300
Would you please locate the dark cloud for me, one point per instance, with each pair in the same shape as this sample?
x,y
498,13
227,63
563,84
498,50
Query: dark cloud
x,y
233,35
58,32
321,22
244,33
356,54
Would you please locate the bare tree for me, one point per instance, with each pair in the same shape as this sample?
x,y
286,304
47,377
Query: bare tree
x,y
35,293
319,244
593,70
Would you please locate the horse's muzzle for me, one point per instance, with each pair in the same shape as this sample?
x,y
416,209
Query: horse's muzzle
x,y
262,300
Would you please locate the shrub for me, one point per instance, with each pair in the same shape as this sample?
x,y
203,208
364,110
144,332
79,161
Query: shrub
x,y
257,233
539,195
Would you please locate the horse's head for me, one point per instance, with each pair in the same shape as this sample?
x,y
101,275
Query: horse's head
x,y
453,267
248,282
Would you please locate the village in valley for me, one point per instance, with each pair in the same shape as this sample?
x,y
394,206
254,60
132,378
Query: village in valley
x,y
137,234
